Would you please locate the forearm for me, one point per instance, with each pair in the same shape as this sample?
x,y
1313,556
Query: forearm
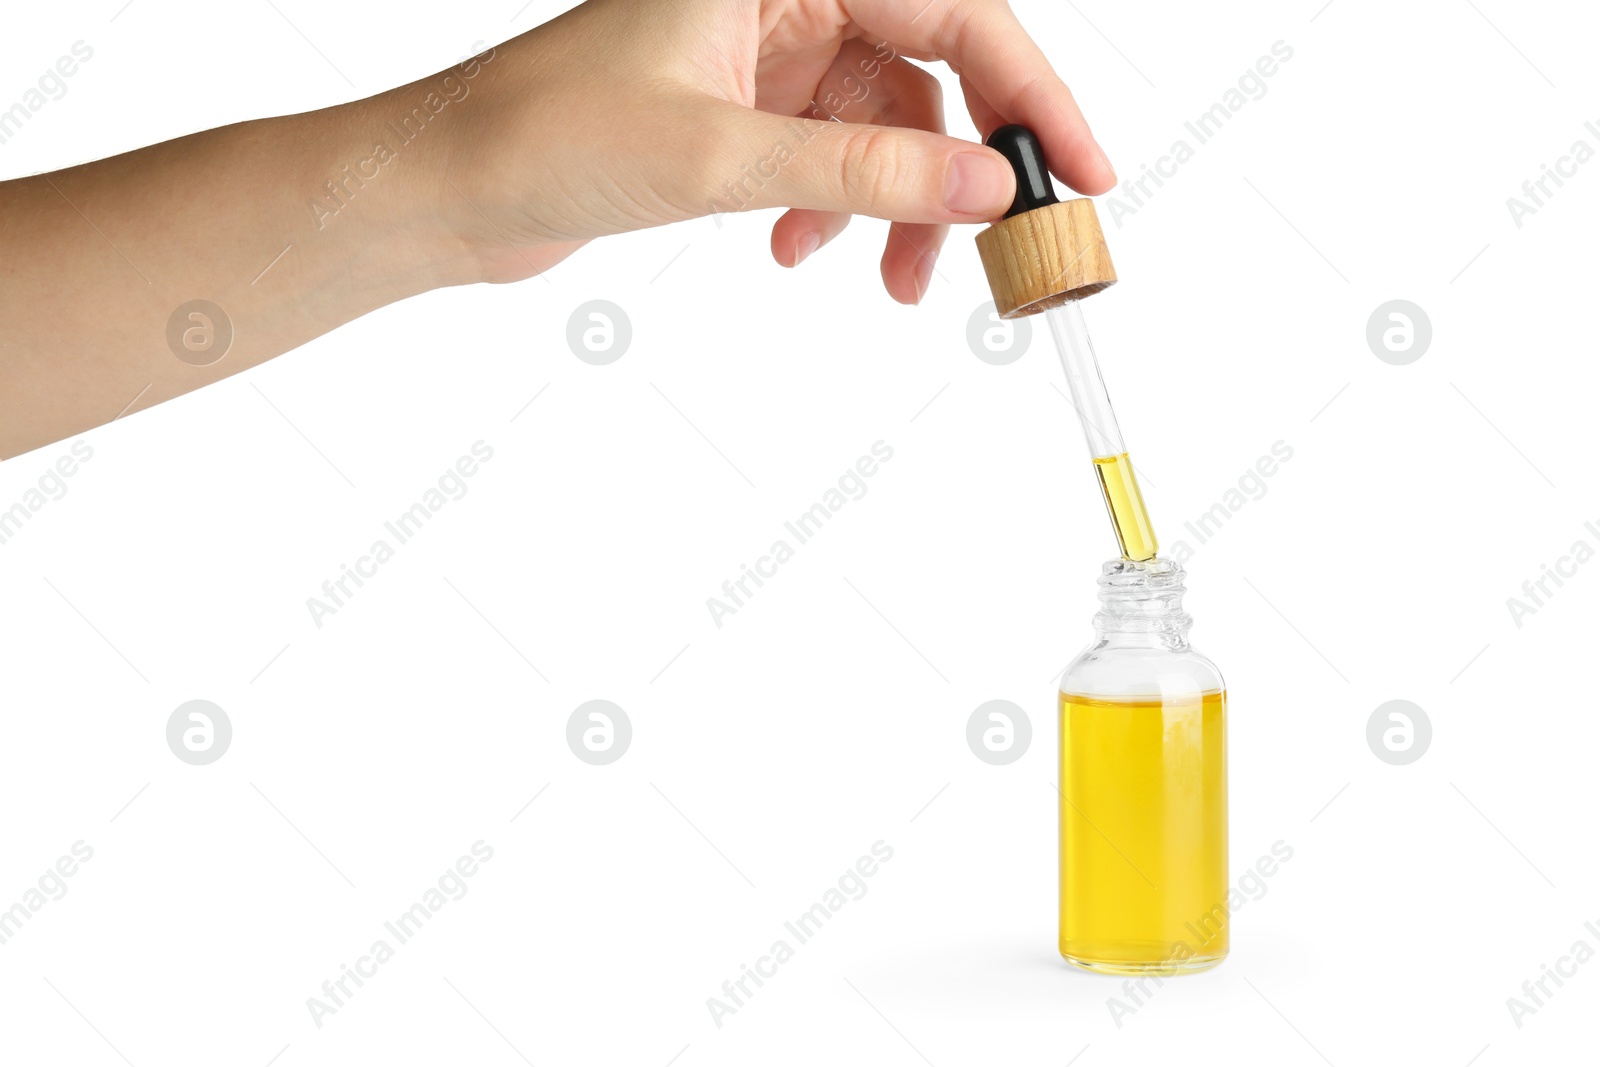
x,y
95,260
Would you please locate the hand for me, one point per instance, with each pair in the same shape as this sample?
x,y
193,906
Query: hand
x,y
618,115
624,114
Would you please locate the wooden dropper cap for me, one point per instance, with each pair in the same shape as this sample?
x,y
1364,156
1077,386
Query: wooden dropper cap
x,y
1043,253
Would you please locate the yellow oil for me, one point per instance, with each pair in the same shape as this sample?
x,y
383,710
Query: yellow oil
x,y
1144,833
1126,505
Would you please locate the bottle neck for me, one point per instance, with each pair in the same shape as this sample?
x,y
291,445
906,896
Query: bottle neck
x,y
1141,605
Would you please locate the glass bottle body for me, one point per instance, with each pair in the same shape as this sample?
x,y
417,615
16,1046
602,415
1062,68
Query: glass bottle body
x,y
1144,793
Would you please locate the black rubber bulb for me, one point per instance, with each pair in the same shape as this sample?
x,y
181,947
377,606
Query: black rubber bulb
x,y
1026,156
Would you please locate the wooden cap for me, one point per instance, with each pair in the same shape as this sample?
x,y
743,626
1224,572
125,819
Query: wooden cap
x,y
1042,258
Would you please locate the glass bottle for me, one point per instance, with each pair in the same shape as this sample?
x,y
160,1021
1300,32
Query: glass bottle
x,y
1144,785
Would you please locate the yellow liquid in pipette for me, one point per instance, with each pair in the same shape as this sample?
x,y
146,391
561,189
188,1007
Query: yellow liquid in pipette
x,y
1126,504
1144,833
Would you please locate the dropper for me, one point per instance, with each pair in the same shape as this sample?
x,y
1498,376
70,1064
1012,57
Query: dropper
x,y
1044,257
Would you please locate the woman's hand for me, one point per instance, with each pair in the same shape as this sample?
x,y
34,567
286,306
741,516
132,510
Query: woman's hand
x,y
623,114
618,115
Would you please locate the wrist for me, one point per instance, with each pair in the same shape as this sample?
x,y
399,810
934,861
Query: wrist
x,y
482,182
381,178
375,187
416,178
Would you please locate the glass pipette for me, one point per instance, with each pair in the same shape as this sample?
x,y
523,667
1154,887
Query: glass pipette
x,y
1118,483
1045,257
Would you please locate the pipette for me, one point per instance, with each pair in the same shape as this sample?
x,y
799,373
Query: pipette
x,y
1044,257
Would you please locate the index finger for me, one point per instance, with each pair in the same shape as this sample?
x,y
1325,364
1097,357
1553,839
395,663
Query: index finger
x,y
984,41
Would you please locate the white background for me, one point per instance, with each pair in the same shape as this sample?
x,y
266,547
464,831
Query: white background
x,y
829,713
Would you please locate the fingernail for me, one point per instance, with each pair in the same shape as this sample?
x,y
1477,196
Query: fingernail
x,y
807,245
977,183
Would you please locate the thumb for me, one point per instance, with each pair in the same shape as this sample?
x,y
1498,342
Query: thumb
x,y
887,172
